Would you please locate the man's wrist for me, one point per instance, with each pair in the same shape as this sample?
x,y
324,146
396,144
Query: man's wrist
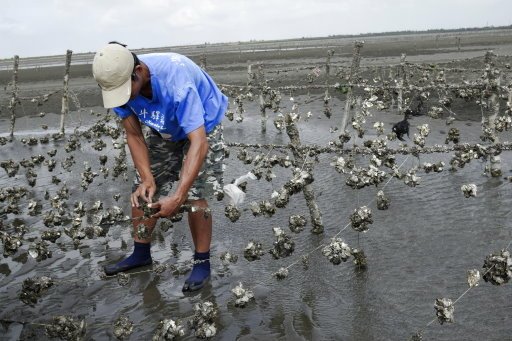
x,y
180,195
147,178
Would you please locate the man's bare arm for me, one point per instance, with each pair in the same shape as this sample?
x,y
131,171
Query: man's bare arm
x,y
194,160
196,154
140,157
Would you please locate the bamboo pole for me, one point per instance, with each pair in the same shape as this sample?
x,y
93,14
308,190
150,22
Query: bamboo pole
x,y
250,75
14,97
492,108
354,70
202,60
309,194
263,106
65,95
327,109
509,102
263,113
401,84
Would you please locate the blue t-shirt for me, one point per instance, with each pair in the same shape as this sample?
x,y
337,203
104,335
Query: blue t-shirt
x,y
184,97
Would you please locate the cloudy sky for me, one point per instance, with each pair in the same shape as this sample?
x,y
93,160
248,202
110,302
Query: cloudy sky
x,y
49,27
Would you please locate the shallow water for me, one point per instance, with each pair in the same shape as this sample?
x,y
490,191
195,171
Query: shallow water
x,y
418,250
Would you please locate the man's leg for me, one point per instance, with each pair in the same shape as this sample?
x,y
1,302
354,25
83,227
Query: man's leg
x,y
165,158
201,229
200,226
141,254
208,183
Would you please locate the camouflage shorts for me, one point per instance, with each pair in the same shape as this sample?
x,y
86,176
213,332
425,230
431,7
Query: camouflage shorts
x,y
166,158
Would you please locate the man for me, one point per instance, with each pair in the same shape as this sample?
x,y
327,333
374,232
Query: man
x,y
181,110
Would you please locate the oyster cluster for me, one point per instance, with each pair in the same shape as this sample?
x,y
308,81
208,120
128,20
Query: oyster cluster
x,y
473,277
227,258
300,179
444,310
379,127
465,155
263,207
203,320
244,156
282,273
123,279
263,165
419,139
120,166
435,112
66,328
39,250
503,123
232,213
165,225
109,216
34,208
361,218
87,176
11,242
283,246
382,201
497,268
296,223
469,190
253,251
360,259
433,167
360,177
123,327
33,288
148,212
411,179
342,166
242,296
168,329
453,136
143,232
11,167
337,251
418,336
51,235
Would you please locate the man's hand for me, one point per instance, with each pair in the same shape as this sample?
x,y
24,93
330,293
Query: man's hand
x,y
146,190
168,206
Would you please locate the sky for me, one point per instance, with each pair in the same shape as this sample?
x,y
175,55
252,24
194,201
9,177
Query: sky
x,y
50,27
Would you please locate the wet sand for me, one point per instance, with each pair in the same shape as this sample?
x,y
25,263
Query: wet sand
x,y
418,250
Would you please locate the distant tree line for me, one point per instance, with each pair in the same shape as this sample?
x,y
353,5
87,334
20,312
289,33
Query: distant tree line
x,y
434,30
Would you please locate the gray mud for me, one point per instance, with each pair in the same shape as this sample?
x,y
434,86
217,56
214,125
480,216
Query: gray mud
x,y
417,250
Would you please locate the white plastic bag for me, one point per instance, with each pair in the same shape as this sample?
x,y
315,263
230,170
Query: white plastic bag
x,y
234,194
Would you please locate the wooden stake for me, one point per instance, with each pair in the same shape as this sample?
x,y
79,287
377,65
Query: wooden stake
x,y
300,159
401,83
14,98
263,106
492,108
354,70
65,95
202,60
327,109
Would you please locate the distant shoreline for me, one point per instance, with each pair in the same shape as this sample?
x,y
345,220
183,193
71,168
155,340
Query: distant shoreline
x,y
250,43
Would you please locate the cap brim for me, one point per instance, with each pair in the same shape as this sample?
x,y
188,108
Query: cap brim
x,y
118,96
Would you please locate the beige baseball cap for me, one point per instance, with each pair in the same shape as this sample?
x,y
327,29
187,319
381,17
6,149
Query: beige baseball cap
x,y
112,68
